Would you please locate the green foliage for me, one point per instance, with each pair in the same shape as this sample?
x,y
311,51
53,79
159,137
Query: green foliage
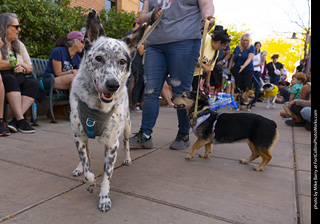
x,y
43,22
235,34
290,51
117,24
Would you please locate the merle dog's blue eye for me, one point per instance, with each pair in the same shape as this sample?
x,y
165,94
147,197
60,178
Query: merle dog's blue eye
x,y
98,58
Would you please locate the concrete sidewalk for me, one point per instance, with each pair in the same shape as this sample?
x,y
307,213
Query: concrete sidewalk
x,y
160,186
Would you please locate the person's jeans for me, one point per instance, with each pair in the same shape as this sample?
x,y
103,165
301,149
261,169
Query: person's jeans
x,y
257,85
178,59
275,79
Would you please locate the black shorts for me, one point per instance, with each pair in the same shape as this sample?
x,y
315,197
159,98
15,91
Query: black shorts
x,y
19,83
295,109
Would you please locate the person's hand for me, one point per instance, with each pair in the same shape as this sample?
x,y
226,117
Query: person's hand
x,y
156,13
241,68
19,69
212,21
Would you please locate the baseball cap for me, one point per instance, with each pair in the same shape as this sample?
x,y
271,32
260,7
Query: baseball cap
x,y
75,35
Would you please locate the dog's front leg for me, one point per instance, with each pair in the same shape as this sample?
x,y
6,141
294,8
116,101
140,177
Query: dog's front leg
x,y
127,131
82,147
196,146
208,147
274,102
268,103
109,161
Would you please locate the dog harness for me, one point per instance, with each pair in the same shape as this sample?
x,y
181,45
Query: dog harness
x,y
202,119
93,121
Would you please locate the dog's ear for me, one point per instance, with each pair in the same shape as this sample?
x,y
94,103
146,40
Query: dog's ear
x,y
134,38
203,96
247,89
192,95
94,29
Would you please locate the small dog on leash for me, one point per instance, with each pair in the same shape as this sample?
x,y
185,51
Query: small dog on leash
x,y
270,93
213,128
99,100
245,99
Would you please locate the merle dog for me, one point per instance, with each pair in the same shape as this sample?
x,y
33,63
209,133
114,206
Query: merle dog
x,y
99,100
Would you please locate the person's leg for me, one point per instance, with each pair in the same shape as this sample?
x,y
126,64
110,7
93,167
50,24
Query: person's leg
x,y
247,80
4,131
63,82
182,59
256,84
1,97
155,70
238,82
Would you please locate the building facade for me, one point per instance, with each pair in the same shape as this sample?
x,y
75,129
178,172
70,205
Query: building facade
x,y
98,5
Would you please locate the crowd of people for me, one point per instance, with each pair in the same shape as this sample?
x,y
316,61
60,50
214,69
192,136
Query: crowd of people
x,y
166,65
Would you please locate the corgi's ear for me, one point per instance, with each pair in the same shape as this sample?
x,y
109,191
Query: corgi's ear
x,y
254,88
247,89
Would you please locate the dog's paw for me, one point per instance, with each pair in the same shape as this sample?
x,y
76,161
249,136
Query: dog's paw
x,y
267,107
204,156
104,203
273,106
127,162
258,169
91,182
188,157
243,161
77,172
249,110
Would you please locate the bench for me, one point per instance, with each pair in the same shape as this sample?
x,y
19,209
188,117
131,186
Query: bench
x,y
52,94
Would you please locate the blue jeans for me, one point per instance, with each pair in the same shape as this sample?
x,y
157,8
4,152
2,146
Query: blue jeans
x,y
256,84
275,79
178,59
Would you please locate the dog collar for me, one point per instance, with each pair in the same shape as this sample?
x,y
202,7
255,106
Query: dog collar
x,y
93,121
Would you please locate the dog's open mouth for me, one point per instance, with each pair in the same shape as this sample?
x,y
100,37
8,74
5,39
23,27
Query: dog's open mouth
x,y
179,106
104,97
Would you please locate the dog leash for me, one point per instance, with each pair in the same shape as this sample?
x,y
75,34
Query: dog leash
x,y
203,41
149,31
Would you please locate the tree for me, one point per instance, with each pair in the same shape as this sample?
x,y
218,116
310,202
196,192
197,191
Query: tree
x,y
117,24
43,22
235,34
290,51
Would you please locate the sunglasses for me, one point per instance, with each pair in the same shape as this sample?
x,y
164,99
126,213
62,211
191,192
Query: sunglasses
x,y
16,26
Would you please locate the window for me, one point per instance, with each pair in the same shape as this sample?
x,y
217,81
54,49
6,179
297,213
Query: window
x,y
141,5
110,4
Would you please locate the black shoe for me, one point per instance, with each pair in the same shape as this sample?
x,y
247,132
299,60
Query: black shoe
x,y
308,126
24,127
181,142
4,131
140,141
12,125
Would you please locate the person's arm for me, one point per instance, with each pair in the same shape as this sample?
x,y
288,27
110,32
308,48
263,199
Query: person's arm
x,y
207,12
146,15
304,91
57,68
250,57
5,65
230,64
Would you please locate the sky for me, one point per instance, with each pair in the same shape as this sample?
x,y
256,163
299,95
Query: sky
x,y
263,18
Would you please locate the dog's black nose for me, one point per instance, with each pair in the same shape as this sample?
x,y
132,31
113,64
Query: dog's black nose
x,y
112,85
